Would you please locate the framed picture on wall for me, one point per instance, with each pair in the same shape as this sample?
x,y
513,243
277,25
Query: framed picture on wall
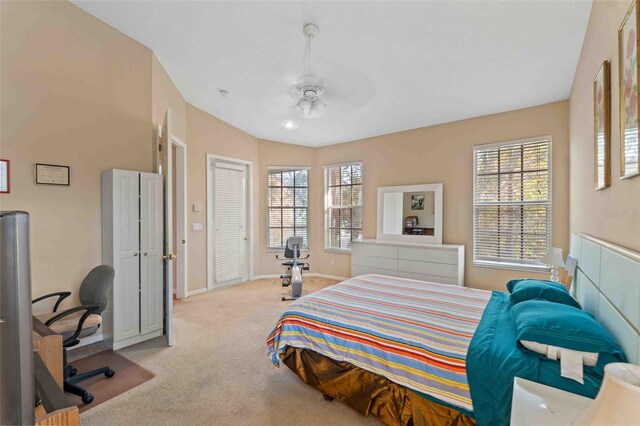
x,y
417,202
602,127
628,80
53,174
5,177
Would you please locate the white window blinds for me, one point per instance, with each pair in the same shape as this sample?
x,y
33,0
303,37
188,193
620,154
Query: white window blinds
x,y
343,205
512,203
230,182
288,200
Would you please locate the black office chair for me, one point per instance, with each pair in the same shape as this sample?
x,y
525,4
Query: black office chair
x,y
81,321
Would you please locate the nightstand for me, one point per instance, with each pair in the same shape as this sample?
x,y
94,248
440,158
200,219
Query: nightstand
x,y
535,404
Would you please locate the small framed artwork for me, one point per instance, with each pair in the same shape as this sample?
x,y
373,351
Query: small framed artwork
x,y
53,174
5,177
628,80
417,202
602,127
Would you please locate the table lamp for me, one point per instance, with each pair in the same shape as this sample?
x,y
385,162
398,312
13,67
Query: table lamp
x,y
618,402
553,259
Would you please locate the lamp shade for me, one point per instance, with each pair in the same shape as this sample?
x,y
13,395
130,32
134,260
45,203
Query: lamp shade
x,y
553,257
618,402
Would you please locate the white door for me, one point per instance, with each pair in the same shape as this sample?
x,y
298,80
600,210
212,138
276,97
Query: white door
x,y
230,223
169,256
151,243
126,318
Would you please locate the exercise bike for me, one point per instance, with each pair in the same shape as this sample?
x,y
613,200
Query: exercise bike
x,y
292,261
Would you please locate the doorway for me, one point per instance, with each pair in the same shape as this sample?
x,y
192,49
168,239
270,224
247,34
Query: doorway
x,y
229,259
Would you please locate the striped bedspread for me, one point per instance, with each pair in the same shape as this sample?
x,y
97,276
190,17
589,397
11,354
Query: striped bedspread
x,y
414,333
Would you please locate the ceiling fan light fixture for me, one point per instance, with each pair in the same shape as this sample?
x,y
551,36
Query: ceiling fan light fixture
x,y
309,86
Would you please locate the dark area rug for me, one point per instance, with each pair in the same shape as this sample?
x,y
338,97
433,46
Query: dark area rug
x,y
128,376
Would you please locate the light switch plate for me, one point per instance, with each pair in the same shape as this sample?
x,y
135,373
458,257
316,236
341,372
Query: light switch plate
x,y
197,207
196,227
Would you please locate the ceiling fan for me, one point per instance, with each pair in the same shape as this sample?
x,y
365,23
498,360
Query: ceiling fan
x,y
309,86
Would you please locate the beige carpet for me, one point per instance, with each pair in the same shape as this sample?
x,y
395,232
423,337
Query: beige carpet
x,y
218,372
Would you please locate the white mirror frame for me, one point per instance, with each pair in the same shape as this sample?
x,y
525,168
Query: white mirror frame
x,y
436,238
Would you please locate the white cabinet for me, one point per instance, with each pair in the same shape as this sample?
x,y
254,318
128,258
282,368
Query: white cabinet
x,y
132,239
440,263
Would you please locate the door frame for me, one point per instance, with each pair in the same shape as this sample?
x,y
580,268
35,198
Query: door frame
x,y
180,182
210,158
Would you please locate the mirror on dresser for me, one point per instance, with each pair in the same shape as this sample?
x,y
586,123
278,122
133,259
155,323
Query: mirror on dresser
x,y
410,213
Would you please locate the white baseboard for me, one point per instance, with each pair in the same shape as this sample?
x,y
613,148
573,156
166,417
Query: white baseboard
x,y
308,274
331,277
269,276
198,291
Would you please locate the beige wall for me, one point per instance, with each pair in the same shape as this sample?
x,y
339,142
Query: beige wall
x,y
614,213
281,154
165,96
208,135
78,93
444,154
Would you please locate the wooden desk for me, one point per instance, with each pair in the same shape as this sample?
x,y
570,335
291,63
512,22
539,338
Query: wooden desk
x,y
48,368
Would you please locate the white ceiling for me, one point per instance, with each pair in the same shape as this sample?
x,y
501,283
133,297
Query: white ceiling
x,y
387,66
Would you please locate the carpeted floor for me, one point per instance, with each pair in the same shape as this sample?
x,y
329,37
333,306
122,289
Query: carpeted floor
x,y
218,372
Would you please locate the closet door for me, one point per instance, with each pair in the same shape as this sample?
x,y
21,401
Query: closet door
x,y
151,242
126,246
230,221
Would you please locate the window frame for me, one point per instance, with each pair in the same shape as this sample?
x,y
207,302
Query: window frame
x,y
288,169
326,178
535,266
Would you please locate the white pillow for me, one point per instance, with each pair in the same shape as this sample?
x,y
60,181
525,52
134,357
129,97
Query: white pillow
x,y
590,359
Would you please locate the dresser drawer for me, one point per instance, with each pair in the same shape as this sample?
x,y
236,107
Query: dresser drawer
x,y
376,250
429,278
374,262
428,268
361,270
427,254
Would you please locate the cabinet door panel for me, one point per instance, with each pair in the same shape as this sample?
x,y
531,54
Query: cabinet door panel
x,y
126,236
151,241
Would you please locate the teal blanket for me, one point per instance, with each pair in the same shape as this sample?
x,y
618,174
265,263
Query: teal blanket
x,y
494,359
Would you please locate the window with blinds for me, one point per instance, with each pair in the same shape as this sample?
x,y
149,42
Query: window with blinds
x,y
343,205
512,203
288,200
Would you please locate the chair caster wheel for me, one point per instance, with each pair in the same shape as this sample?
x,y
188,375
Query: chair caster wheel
x,y
87,398
109,373
328,398
73,371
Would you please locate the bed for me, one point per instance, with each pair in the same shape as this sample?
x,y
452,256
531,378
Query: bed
x,y
412,352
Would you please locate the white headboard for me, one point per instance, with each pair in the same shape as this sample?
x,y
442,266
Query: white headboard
x,y
607,285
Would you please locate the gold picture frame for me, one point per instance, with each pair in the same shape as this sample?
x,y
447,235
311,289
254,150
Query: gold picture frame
x,y
602,127
628,78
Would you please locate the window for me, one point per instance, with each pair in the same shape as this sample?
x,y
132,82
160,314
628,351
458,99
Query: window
x,y
512,203
343,205
288,202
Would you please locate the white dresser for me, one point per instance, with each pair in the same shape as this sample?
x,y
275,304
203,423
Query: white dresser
x,y
440,263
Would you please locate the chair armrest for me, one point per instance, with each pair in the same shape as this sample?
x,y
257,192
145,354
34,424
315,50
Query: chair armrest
x,y
90,309
61,296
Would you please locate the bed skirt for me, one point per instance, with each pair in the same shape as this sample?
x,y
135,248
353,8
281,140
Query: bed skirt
x,y
368,393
